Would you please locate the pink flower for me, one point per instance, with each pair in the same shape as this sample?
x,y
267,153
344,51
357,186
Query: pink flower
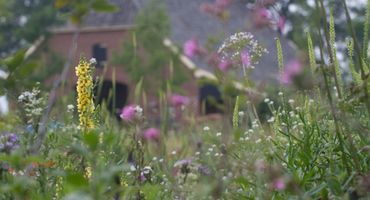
x,y
179,100
191,47
224,65
246,60
261,17
222,4
152,134
131,112
279,184
281,23
292,68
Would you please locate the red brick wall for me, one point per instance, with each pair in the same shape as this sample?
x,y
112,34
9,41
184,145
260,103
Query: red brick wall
x,y
61,42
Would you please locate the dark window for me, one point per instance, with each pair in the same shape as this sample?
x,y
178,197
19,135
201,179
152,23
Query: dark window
x,y
99,52
210,99
114,101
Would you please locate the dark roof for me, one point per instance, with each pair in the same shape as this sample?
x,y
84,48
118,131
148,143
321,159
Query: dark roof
x,y
187,21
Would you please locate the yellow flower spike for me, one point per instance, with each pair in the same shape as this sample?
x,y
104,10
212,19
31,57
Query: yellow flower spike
x,y
85,104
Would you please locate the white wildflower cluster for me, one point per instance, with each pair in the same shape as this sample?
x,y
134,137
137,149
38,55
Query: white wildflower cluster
x,y
33,104
70,108
233,46
138,111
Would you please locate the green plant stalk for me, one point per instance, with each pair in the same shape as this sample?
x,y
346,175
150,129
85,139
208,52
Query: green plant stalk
x,y
332,108
356,76
114,91
279,56
338,73
236,113
366,31
311,53
101,80
329,47
364,76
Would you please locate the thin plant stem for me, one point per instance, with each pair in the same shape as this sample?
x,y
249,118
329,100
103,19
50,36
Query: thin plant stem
x,y
53,94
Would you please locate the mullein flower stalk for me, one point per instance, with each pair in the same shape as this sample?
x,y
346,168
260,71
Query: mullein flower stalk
x,y
85,104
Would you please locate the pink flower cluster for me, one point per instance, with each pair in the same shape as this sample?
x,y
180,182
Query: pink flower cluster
x,y
216,8
261,17
292,69
281,24
191,48
177,100
245,58
131,112
279,184
152,134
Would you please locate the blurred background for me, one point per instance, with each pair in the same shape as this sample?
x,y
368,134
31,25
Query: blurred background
x,y
160,41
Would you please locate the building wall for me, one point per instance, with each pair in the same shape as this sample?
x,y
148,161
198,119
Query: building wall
x,y
61,42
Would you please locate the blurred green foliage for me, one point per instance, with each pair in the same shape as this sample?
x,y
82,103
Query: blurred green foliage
x,y
145,56
24,21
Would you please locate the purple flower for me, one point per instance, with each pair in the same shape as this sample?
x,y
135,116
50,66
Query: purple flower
x,y
182,162
292,68
245,57
152,134
204,170
142,177
8,142
131,112
191,47
279,184
179,100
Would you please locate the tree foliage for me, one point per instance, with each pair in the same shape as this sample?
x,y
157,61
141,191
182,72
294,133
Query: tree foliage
x,y
145,56
23,21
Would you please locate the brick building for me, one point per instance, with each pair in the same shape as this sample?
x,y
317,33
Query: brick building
x,y
103,34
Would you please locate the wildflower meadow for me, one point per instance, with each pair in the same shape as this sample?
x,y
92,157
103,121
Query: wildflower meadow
x,y
70,132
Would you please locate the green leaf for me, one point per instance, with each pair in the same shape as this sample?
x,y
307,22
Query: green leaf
x,y
244,182
2,86
235,114
334,185
91,139
237,133
76,180
138,90
26,69
317,189
151,191
103,6
12,63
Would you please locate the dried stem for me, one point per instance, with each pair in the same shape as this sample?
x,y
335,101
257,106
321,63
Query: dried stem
x,y
53,94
